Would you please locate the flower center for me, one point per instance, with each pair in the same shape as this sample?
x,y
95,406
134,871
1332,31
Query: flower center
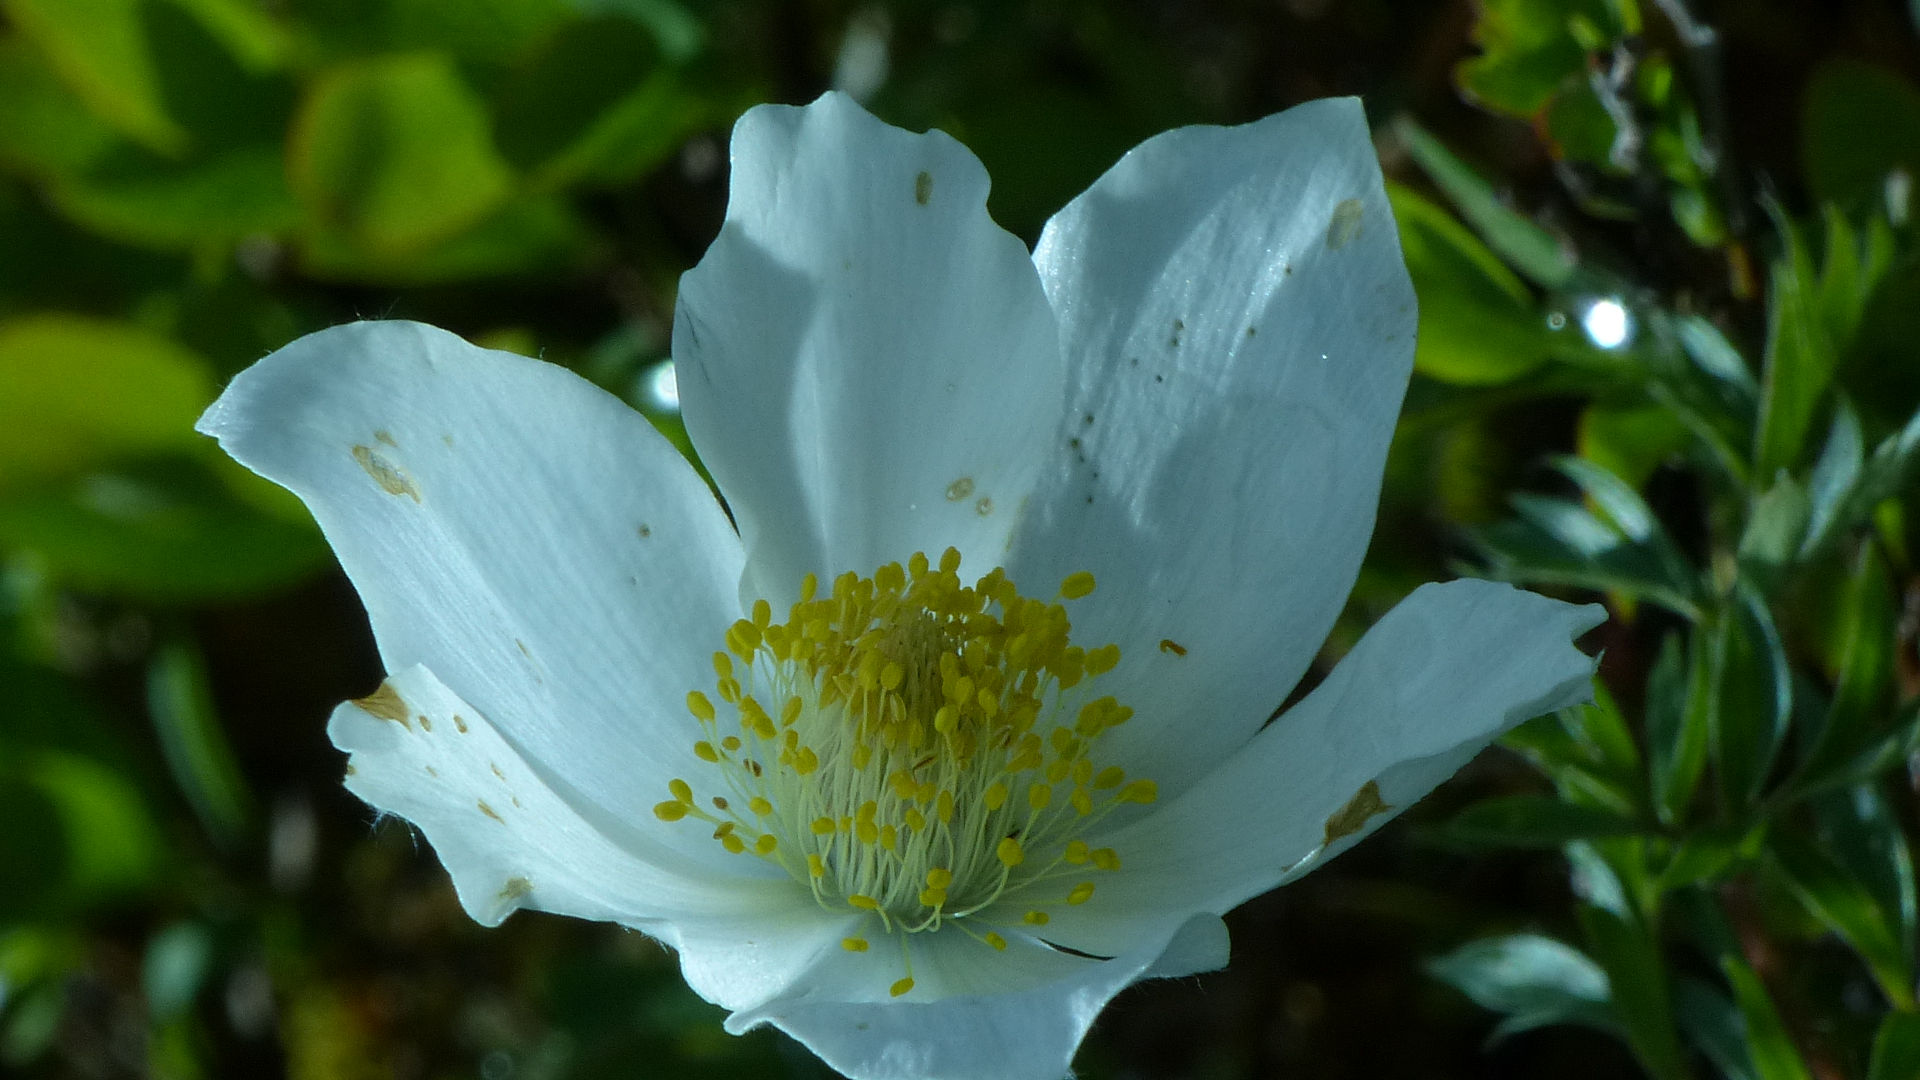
x,y
913,749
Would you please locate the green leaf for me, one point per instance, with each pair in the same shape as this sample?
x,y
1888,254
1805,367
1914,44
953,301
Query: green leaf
x,y
181,703
78,392
1800,358
1754,702
100,50
163,531
1710,350
1631,441
1532,980
1479,325
1896,1049
1714,1025
1881,478
1847,907
1861,832
112,845
1863,650
528,234
1533,821
1641,998
32,847
1776,526
249,34
1680,693
216,201
1529,248
396,154
45,131
1770,1050
1529,48
1860,123
175,967
1835,473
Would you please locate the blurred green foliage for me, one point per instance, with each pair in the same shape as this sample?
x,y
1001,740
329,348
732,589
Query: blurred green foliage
x,y
1669,296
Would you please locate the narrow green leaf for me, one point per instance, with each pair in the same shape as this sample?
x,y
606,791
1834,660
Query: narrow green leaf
x,y
1847,907
1861,832
112,845
1713,1023
1800,358
1529,248
1896,1049
1531,980
1631,441
1755,701
1776,526
1836,472
1708,348
181,705
1681,690
1533,821
1641,999
1771,1051
1863,646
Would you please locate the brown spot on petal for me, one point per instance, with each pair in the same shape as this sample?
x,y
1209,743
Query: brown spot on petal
x,y
923,188
1360,809
488,810
1168,645
385,704
515,888
459,724
392,478
1344,227
960,489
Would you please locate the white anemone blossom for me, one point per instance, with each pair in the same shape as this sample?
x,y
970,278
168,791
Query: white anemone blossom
x,y
963,720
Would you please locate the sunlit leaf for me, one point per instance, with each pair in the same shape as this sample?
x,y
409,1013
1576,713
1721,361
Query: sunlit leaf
x,y
1896,1048
1479,325
45,131
215,201
1529,248
1631,441
396,154
1754,701
1530,47
1800,358
112,845
76,392
1532,821
101,51
181,703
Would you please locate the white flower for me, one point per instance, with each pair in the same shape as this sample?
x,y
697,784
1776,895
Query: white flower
x,y
939,815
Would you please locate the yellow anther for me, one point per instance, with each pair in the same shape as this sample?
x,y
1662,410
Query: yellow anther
x,y
914,819
939,878
700,707
705,752
866,832
864,902
891,675
901,987
945,720
732,843
762,614
759,806
1105,859
933,897
1082,802
1039,795
681,791
1076,852
722,666
672,810
1036,918
1082,771
730,743
1057,770
1140,791
822,826
889,838
1077,585
917,564
719,803
1081,893
989,705
1101,660
724,828
950,560
1010,853
816,866
994,940
996,796
854,944
809,585
805,761
943,807
766,844
791,711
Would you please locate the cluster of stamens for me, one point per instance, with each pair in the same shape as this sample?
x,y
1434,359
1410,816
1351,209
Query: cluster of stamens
x,y
914,750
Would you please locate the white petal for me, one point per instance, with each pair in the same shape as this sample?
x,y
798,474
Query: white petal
x,y
1443,674
509,840
1238,327
867,363
1022,1031
525,535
